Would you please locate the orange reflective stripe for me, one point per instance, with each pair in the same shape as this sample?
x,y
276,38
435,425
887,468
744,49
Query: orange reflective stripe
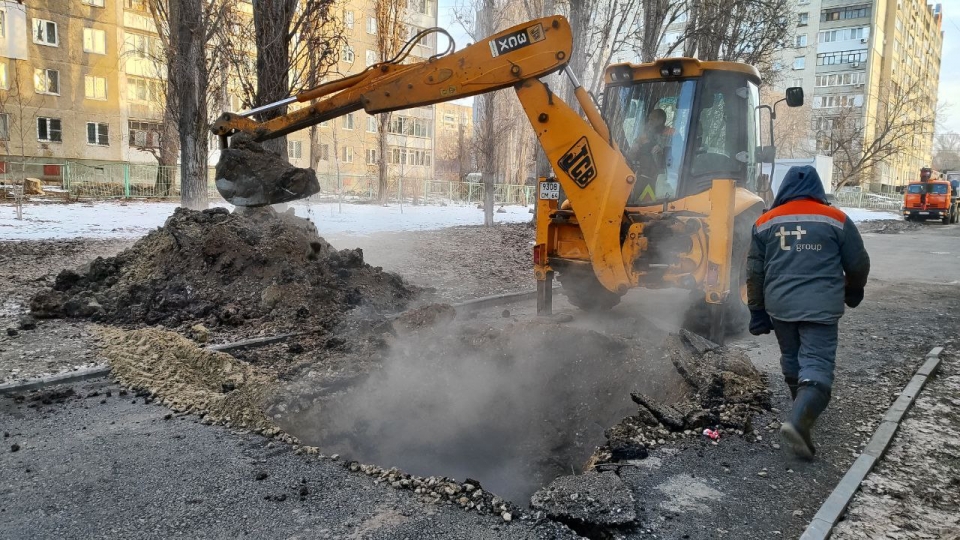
x,y
803,207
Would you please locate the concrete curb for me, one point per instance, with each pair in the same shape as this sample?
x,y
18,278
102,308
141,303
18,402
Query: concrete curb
x,y
829,514
60,378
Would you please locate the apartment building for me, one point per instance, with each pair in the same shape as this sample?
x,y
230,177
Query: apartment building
x,y
347,149
79,81
848,55
454,139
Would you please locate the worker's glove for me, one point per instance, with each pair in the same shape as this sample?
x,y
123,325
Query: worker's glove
x,y
852,296
760,322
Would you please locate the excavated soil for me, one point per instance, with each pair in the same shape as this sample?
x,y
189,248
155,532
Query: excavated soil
x,y
241,274
189,379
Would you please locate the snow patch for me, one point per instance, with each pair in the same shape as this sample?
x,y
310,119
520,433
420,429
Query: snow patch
x,y
134,219
859,215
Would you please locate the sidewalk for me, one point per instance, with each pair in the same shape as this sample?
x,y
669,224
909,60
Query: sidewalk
x,y
914,492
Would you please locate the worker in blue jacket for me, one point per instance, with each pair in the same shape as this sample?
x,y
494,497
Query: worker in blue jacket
x,y
806,261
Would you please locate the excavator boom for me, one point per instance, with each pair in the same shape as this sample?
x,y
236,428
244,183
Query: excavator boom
x,y
529,50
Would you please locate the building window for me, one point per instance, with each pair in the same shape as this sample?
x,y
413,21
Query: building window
x,y
135,5
799,62
802,40
347,154
140,89
4,127
45,32
348,19
3,23
142,46
4,81
94,87
48,130
797,82
371,156
94,3
348,121
842,57
419,6
144,134
348,55
371,124
46,81
324,152
295,149
97,134
803,19
371,58
371,25
94,41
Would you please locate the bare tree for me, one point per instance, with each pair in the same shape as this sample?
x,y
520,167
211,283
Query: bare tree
x,y
193,34
296,42
793,136
390,17
946,152
749,31
19,106
860,142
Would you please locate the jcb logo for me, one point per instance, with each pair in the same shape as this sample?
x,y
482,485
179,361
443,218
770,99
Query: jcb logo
x,y
578,163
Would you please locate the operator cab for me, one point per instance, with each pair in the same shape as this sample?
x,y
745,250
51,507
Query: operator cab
x,y
682,123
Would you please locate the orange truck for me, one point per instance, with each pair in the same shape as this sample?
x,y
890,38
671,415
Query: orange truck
x,y
933,197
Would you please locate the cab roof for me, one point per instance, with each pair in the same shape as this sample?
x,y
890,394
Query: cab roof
x,y
689,67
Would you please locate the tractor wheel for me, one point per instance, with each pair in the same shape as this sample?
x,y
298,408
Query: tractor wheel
x,y
584,291
946,219
734,313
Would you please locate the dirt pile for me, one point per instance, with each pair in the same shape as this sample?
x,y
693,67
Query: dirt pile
x,y
250,272
888,226
728,392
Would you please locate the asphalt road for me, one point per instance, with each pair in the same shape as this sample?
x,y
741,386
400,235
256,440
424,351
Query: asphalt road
x,y
86,469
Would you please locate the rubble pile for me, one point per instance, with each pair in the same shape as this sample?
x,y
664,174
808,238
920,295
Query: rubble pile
x,y
728,392
249,272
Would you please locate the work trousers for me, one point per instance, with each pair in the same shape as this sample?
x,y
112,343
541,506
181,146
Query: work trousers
x,y
808,351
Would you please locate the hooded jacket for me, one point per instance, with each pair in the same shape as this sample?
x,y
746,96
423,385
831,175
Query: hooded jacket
x,y
804,252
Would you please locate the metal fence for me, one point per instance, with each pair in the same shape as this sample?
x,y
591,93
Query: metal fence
x,y
79,180
868,200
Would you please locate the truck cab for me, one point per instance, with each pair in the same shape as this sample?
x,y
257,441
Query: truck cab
x,y
933,197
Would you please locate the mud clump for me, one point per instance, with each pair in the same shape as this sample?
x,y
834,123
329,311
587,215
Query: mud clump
x,y
242,273
249,175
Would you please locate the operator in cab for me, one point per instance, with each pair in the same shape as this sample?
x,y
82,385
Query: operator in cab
x,y
806,261
648,154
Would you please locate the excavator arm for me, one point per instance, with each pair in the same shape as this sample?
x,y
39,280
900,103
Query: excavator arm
x,y
594,174
526,51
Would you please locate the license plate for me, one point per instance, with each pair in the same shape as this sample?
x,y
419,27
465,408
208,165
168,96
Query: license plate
x,y
924,213
550,191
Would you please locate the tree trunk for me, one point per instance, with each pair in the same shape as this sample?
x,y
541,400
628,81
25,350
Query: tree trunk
x,y
189,67
488,153
169,149
382,169
271,19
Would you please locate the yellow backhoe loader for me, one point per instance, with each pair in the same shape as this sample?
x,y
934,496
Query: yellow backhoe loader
x,y
657,190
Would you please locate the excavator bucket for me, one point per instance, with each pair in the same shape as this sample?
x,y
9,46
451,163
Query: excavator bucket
x,y
249,175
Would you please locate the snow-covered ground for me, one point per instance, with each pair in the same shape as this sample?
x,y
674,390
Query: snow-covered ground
x,y
862,214
134,219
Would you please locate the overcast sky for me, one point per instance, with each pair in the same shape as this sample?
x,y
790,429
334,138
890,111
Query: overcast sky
x,y
949,76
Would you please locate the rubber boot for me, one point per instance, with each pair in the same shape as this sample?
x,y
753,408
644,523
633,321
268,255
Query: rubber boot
x,y
811,401
792,384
